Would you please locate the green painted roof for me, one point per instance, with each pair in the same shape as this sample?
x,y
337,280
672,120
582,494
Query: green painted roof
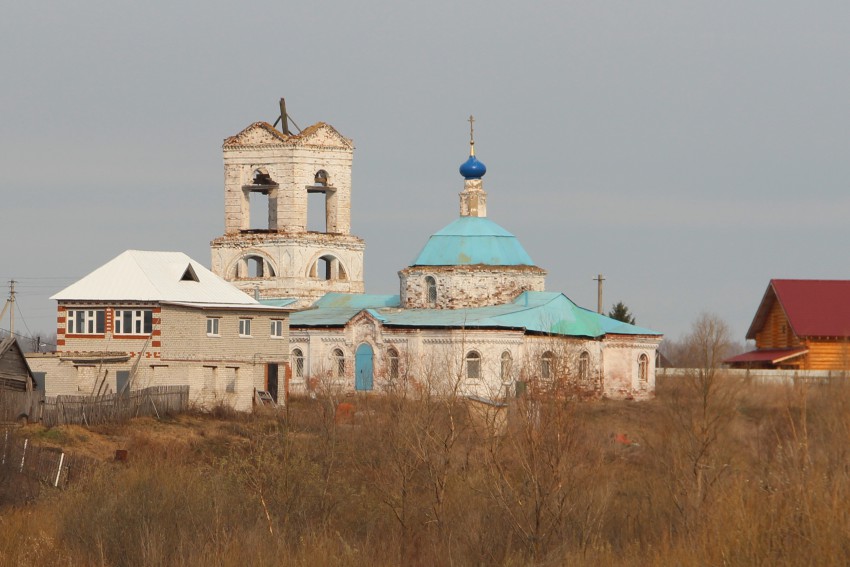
x,y
533,311
470,241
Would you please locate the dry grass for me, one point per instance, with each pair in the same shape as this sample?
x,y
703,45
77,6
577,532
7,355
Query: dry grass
x,y
755,475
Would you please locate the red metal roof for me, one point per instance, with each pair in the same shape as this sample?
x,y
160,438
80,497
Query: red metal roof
x,y
815,308
772,356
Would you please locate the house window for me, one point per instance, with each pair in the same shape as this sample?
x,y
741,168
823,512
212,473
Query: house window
x,y
643,370
277,329
298,363
547,366
212,326
133,321
338,363
392,360
86,322
244,327
505,373
584,366
431,287
473,365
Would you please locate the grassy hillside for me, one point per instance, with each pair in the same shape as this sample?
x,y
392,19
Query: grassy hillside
x,y
708,473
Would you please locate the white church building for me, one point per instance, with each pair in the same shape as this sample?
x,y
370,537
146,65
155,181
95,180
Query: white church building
x,y
472,314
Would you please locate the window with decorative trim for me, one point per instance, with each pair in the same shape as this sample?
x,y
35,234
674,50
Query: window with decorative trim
x,y
505,370
392,363
473,365
212,326
297,363
547,365
244,327
277,329
431,291
643,370
584,367
85,322
338,359
133,322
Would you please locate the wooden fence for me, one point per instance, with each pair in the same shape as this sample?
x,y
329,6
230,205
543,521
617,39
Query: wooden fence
x,y
49,465
155,401
16,405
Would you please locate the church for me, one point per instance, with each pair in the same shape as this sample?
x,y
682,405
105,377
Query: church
x,y
472,315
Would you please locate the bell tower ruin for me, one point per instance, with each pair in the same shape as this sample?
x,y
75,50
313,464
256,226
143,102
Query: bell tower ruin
x,y
271,177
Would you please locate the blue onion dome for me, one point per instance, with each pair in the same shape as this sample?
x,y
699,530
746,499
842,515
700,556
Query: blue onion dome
x,y
472,168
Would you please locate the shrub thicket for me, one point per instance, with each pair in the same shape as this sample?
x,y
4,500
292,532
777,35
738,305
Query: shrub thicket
x,y
737,474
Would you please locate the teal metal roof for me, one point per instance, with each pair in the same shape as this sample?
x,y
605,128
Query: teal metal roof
x,y
533,311
278,302
336,309
470,241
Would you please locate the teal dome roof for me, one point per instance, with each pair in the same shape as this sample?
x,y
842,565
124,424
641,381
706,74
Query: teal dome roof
x,y
471,241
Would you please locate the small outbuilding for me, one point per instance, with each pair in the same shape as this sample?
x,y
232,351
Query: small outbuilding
x,y
17,383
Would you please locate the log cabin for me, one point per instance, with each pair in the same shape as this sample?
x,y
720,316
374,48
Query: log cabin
x,y
800,325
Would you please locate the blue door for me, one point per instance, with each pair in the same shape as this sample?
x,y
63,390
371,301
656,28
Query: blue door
x,y
363,368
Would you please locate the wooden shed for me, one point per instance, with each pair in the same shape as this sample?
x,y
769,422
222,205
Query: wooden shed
x,y
17,383
800,325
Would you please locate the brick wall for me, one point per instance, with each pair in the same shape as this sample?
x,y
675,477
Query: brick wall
x,y
469,286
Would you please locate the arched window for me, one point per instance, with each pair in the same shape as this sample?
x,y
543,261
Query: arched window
x,y
392,363
321,178
643,370
261,177
338,363
547,365
328,268
473,365
507,362
297,363
431,291
257,267
584,366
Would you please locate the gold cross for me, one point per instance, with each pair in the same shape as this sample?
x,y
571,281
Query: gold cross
x,y
471,129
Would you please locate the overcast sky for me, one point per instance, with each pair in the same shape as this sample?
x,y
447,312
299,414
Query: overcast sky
x,y
688,151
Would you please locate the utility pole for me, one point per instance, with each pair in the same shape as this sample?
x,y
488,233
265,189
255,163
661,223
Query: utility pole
x,y
10,303
599,279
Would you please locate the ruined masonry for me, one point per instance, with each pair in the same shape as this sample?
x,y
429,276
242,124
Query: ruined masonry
x,y
283,259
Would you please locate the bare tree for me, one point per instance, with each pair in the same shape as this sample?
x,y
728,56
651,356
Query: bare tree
x,y
700,406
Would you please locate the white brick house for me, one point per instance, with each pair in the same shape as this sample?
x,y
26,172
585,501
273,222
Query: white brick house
x,y
161,318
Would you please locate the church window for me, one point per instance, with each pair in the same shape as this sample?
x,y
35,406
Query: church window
x,y
338,359
212,326
392,363
321,178
431,291
261,177
244,327
584,366
86,322
505,373
643,370
277,328
298,363
473,365
133,321
547,365
260,197
257,267
328,268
